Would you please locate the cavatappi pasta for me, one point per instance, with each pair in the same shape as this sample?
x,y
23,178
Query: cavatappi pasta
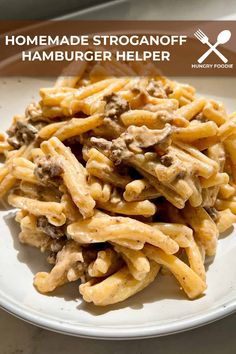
x,y
115,178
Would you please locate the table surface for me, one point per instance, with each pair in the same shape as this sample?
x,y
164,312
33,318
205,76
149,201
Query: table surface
x,y
18,337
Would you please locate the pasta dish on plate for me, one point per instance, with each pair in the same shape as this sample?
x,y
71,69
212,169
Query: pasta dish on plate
x,y
119,174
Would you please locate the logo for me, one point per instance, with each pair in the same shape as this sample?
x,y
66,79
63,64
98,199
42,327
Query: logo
x,y
222,38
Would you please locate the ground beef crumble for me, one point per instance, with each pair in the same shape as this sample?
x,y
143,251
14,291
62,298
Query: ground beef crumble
x,y
115,106
132,141
48,170
167,160
49,229
156,89
22,133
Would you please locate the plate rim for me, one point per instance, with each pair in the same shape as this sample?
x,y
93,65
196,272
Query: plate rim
x,y
106,333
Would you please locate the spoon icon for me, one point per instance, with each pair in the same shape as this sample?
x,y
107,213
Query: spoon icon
x,y
222,38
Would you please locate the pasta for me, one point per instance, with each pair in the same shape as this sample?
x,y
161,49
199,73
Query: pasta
x,y
116,178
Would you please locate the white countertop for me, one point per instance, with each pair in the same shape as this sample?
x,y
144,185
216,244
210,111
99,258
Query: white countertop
x,y
18,337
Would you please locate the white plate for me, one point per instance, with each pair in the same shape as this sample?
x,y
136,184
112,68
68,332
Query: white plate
x,y
158,310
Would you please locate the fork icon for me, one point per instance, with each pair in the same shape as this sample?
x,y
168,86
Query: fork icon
x,y
222,38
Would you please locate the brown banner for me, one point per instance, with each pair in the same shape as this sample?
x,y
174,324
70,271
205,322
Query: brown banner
x,y
186,48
